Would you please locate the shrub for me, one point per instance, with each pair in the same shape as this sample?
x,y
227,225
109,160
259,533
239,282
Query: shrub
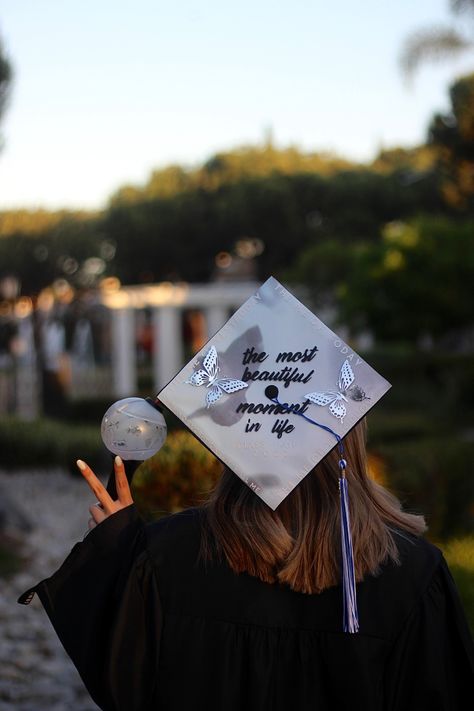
x,y
431,475
459,554
436,386
179,475
49,443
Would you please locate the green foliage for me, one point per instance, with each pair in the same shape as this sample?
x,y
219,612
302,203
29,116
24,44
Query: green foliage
x,y
459,554
288,213
453,136
437,42
414,162
39,247
48,443
180,475
6,75
421,278
341,228
423,432
411,282
403,278
432,44
37,222
436,386
291,201
89,411
240,164
431,476
363,239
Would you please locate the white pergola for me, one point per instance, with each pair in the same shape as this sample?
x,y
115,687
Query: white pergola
x,y
166,301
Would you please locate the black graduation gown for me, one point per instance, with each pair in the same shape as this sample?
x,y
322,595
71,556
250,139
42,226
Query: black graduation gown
x,y
149,628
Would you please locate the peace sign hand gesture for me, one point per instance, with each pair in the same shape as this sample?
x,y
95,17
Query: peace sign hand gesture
x,y
105,505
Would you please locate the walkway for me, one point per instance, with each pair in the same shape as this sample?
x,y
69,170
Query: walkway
x,y
35,673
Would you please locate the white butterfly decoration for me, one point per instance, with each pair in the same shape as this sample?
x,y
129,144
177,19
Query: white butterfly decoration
x,y
208,377
336,400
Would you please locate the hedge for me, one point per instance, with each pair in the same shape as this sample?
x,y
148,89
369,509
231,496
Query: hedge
x,y
47,443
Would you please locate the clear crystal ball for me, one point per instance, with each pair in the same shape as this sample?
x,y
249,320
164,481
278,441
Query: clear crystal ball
x,y
133,428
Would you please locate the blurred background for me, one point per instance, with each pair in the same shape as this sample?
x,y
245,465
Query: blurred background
x,y
157,162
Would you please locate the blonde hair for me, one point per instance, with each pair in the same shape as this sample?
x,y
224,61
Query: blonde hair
x,y
299,543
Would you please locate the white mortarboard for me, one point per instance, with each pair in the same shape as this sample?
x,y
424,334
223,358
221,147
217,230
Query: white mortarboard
x,y
222,395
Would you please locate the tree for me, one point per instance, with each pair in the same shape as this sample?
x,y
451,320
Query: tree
x,y
415,283
452,135
230,167
6,75
39,247
436,43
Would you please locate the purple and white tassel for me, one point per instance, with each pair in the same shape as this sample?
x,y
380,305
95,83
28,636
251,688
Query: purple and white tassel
x,y
350,616
349,595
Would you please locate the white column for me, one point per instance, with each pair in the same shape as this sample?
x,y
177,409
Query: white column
x,y
167,345
124,352
216,316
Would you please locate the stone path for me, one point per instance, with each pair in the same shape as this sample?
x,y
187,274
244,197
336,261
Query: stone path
x,y
35,673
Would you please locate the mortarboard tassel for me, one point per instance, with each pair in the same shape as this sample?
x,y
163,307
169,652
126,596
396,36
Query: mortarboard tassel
x,y
350,615
349,595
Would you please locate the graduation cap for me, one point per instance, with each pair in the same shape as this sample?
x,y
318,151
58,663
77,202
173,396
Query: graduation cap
x,y
270,394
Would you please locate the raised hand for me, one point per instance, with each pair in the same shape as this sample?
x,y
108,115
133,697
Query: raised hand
x,y
106,506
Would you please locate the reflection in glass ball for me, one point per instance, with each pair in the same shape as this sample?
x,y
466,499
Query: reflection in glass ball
x,y
133,428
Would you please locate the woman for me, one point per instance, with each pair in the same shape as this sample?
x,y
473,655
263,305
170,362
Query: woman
x,y
234,607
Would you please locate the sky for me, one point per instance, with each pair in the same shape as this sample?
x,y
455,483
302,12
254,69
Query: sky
x,y
106,91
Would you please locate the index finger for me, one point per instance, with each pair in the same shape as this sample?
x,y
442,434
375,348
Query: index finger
x,y
97,487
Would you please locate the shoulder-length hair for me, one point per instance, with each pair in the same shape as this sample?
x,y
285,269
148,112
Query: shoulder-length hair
x,y
299,543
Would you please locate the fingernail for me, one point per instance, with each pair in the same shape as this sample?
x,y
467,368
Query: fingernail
x,y
81,464
118,460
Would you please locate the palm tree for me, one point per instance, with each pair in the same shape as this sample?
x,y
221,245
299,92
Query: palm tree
x,y
437,42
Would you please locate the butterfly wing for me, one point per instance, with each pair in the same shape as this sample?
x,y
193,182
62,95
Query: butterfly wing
x,y
230,385
321,398
346,376
210,363
338,409
213,395
199,377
